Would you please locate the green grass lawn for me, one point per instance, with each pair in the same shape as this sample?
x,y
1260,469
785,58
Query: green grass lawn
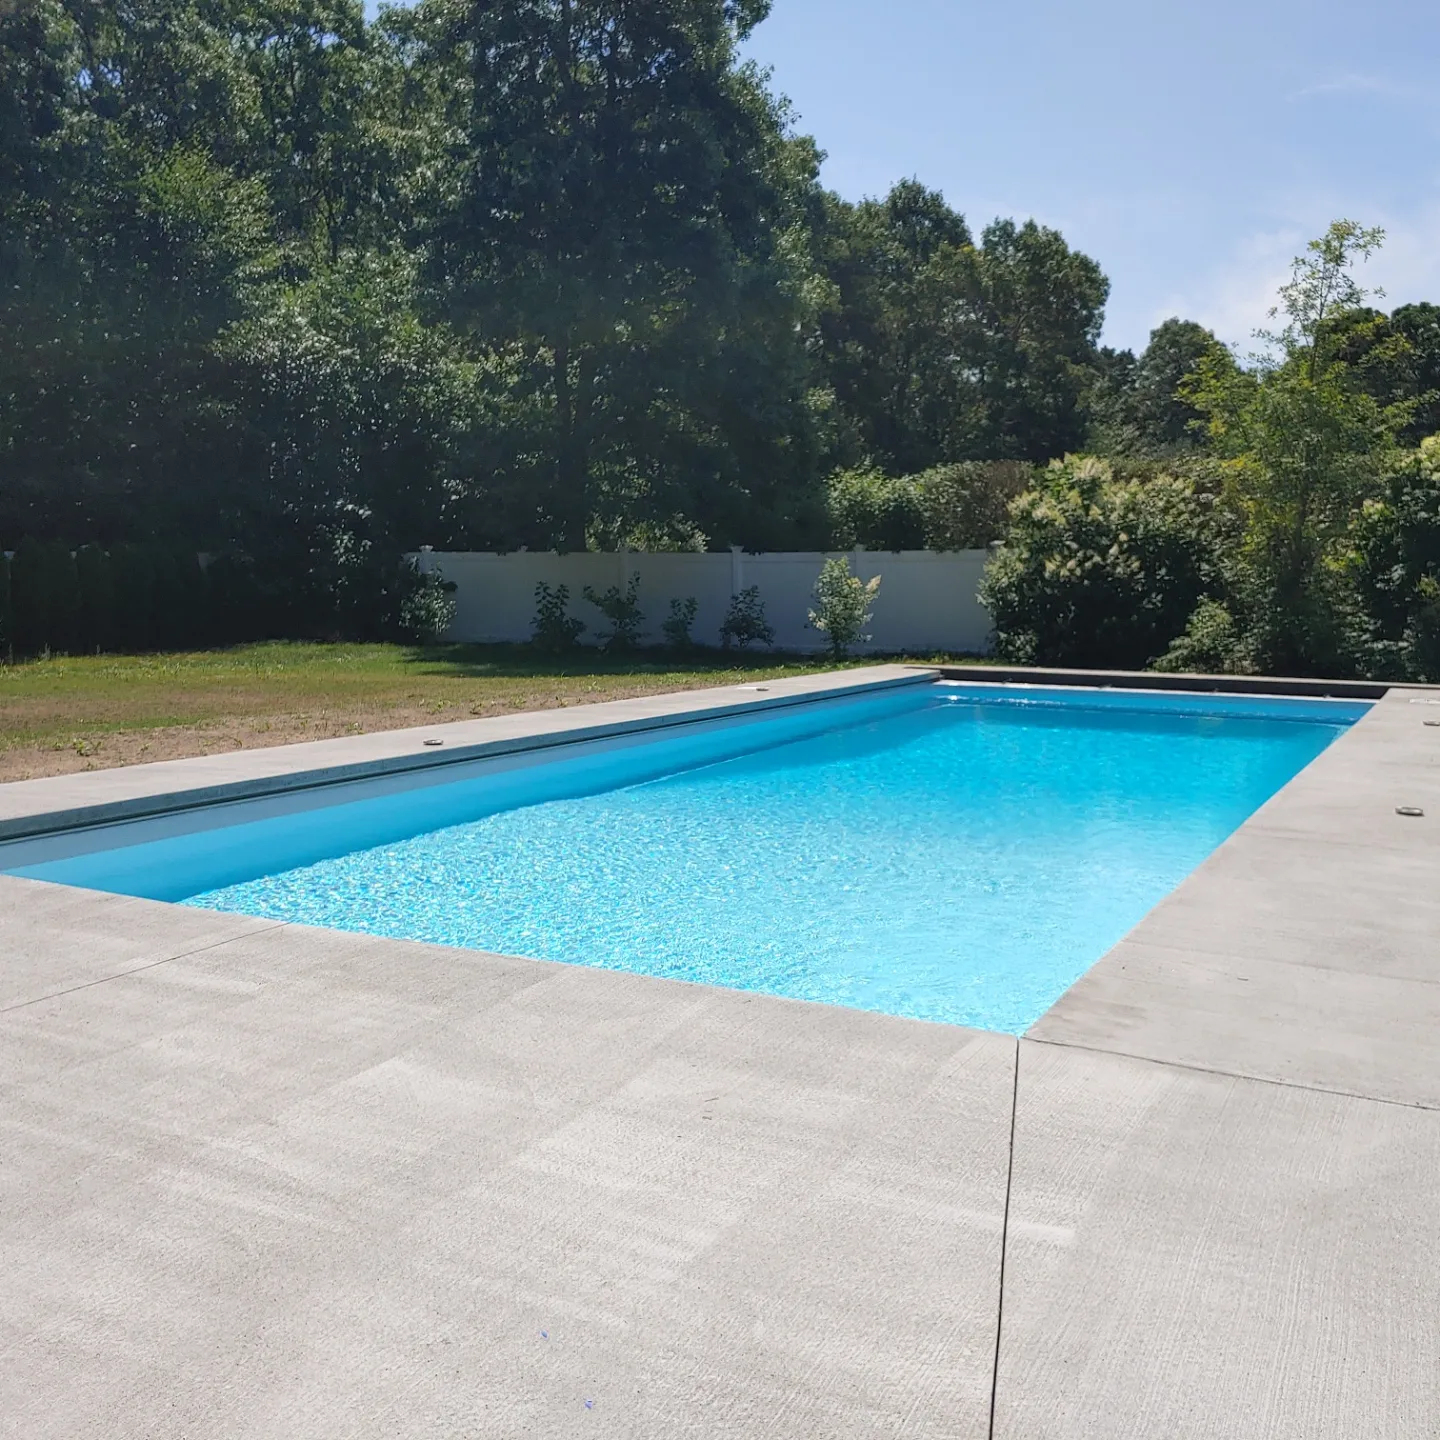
x,y
87,712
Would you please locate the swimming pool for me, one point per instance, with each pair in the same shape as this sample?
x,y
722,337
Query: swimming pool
x,y
950,852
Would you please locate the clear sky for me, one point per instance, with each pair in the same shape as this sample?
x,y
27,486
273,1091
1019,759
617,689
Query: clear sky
x,y
1191,148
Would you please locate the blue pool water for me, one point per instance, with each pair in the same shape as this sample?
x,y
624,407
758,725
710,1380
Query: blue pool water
x,y
950,853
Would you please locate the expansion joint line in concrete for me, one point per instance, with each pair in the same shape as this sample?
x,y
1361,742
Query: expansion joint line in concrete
x,y
1234,1074
1004,1238
138,969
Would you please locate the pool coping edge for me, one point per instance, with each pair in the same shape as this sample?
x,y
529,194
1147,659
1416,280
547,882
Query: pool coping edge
x,y
1282,685
413,749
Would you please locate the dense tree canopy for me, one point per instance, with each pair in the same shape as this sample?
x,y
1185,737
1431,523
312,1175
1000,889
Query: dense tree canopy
x,y
304,290
280,279
1138,405
1304,538
939,349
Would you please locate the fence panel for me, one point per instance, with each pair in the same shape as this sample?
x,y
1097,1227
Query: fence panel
x,y
928,600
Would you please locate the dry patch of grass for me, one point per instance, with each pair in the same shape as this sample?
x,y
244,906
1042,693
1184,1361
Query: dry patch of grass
x,y
92,712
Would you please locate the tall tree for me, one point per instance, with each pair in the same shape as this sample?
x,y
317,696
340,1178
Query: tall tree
x,y
1139,406
1042,308
938,349
623,205
1305,445
130,255
1163,416
1419,326
901,275
1394,358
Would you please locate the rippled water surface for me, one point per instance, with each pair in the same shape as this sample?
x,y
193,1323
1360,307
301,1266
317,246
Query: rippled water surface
x,y
962,861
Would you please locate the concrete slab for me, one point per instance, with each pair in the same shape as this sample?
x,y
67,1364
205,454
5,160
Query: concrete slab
x,y
53,938
1375,766
1363,908
302,1183
1307,948
268,1181
1246,1014
1349,794
1199,1257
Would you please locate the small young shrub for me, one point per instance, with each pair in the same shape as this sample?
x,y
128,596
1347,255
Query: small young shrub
x,y
427,604
677,628
843,606
555,630
745,622
622,609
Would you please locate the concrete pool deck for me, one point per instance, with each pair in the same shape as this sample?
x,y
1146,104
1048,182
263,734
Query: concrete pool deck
x,y
260,1180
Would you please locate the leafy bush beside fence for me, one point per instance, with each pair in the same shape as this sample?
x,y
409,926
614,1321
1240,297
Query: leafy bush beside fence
x,y
962,506
1394,561
1102,571
844,604
745,622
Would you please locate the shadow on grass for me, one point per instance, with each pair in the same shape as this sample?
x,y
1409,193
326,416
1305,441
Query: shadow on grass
x,y
523,662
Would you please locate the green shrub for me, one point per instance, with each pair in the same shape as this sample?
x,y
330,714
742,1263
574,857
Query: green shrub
x,y
843,605
881,512
1298,618
1213,643
622,609
745,622
554,629
1100,571
962,506
427,604
677,628
966,506
1422,634
1394,562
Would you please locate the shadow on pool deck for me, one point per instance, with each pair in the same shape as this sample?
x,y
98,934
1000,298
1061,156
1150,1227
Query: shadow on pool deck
x,y
269,1181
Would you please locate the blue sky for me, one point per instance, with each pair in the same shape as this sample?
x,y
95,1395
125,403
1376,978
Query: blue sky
x,y
1190,148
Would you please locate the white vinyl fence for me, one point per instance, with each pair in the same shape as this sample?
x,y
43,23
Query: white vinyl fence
x,y
928,600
